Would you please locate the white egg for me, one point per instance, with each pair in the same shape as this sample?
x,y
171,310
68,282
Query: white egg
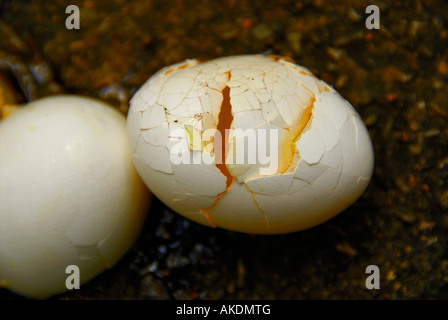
x,y
69,193
297,153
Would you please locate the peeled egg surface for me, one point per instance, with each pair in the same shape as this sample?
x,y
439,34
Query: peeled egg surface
x,y
250,143
69,193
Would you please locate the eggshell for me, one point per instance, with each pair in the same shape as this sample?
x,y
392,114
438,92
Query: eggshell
x,y
69,193
320,160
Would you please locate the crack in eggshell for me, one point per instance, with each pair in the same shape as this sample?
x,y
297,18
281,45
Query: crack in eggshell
x,y
297,131
311,119
221,147
207,215
268,225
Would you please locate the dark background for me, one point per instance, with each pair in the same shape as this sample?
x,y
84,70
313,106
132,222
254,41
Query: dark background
x,y
395,77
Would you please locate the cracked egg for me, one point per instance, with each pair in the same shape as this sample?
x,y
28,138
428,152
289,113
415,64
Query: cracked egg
x,y
69,193
250,143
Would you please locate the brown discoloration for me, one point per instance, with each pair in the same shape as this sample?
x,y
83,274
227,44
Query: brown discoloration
x,y
207,216
224,123
181,67
295,131
277,58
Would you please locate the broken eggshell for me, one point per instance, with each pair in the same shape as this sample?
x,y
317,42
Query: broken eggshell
x,y
323,154
69,193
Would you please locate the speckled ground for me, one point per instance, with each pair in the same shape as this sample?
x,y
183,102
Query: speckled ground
x,y
396,77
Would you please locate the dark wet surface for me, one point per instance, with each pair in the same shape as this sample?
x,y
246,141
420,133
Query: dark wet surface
x,y
396,78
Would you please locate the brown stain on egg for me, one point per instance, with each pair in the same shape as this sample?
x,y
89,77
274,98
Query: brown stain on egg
x,y
277,58
182,66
